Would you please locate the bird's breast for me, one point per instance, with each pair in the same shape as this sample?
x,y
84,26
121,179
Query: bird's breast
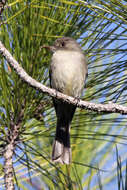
x,y
68,72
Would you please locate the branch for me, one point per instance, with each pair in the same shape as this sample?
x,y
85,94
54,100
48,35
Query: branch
x,y
107,108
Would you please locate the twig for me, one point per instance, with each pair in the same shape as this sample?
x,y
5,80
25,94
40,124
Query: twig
x,y
107,108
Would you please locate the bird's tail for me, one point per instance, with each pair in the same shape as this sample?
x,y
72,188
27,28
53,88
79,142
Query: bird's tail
x,y
61,153
61,147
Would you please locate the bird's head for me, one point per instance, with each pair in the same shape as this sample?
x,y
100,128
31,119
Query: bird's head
x,y
64,43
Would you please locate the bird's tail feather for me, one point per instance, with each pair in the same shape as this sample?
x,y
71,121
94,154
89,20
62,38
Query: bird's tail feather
x,y
61,153
61,147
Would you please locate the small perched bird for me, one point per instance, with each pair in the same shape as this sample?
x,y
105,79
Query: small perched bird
x,y
68,72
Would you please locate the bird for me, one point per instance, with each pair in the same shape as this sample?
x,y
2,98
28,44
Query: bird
x,y
68,72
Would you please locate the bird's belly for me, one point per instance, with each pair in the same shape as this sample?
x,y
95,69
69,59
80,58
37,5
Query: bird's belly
x,y
68,77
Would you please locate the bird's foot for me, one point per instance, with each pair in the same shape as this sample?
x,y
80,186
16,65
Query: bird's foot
x,y
77,99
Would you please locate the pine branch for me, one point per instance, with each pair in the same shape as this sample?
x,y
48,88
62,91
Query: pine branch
x,y
106,108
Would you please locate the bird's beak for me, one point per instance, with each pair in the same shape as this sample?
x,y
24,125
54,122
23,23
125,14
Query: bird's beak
x,y
44,46
51,48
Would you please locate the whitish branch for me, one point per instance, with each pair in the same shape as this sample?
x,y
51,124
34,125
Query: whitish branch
x,y
107,108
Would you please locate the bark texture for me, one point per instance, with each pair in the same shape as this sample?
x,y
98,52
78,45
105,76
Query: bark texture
x,y
8,157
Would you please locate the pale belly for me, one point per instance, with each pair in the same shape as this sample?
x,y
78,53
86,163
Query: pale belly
x,y
68,73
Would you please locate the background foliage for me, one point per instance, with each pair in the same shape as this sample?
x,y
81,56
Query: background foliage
x,y
100,28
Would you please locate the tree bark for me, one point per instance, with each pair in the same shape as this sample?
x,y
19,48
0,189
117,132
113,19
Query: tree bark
x,y
8,167
11,138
